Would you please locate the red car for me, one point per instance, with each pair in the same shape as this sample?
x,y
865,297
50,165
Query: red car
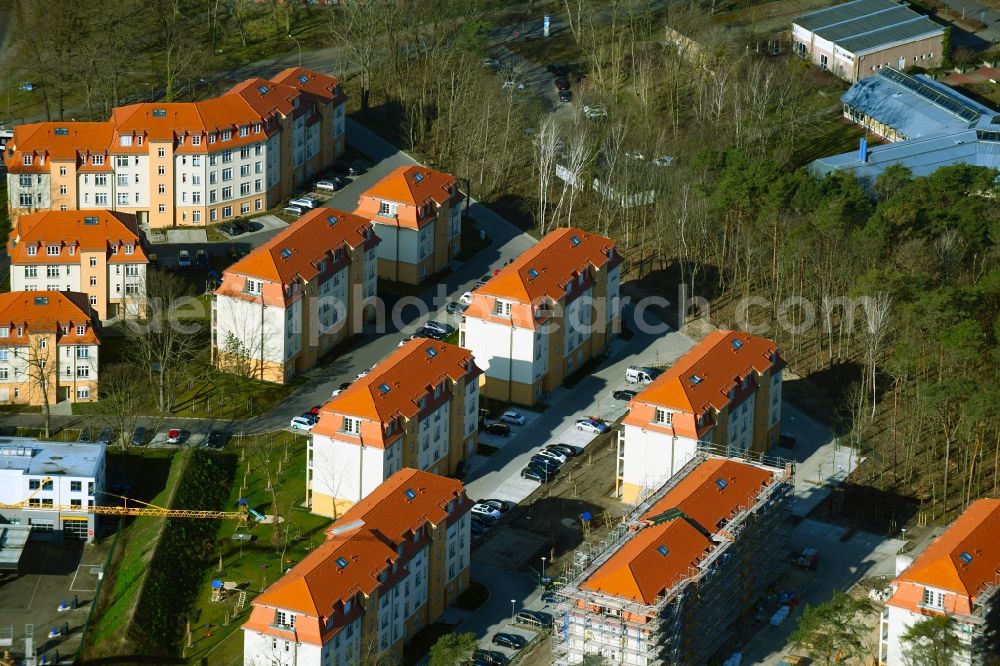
x,y
174,436
316,410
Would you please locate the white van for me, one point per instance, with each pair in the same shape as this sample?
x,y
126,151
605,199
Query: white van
x,y
302,423
636,374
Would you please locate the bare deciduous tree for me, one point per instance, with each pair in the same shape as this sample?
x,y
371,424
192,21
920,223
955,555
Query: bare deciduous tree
x,y
123,394
877,327
546,147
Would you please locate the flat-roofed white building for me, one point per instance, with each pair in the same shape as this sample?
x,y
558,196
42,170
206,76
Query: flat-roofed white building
x,y
57,484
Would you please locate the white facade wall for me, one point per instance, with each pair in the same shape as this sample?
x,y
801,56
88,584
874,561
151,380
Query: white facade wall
x,y
502,351
57,277
579,322
371,274
73,361
457,547
131,182
246,320
653,457
124,281
29,190
344,469
471,413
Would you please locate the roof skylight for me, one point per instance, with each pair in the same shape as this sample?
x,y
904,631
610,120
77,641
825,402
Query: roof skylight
x,y
532,273
262,90
736,343
411,494
385,388
341,563
331,219
418,177
662,550
722,484
432,352
159,113
62,131
303,79
286,253
695,379
41,300
966,557
90,220
575,240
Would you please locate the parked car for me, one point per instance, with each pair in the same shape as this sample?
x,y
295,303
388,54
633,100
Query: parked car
x,y
300,423
567,449
201,259
174,436
336,392
232,228
493,657
512,641
501,429
637,374
444,329
217,439
531,618
538,474
555,455
86,437
511,416
305,202
624,394
361,374
483,280
557,69
466,298
184,259
549,464
328,185
107,434
425,332
483,509
294,210
455,308
139,436
349,169
309,416
565,95
562,84
592,425
315,410
502,506
483,521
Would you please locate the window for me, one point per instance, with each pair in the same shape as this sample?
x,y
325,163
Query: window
x,y
663,416
93,301
93,261
283,619
226,135
161,170
52,271
62,190
129,248
227,211
25,201
161,189
62,171
244,189
75,486
245,152
211,137
75,504
83,394
254,286
227,174
245,130
258,167
4,374
258,185
245,170
212,178
101,199
352,425
227,193
161,152
932,599
26,161
51,250
196,215
387,209
97,160
162,208
196,141
501,308
83,372
30,272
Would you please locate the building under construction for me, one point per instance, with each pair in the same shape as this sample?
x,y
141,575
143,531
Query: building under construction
x,y
666,585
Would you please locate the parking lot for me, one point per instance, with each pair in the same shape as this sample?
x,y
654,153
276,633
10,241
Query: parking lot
x,y
53,573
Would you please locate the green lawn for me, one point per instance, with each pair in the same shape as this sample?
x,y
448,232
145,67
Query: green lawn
x,y
256,565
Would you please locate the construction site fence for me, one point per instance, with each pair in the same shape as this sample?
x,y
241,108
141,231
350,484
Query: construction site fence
x,y
94,603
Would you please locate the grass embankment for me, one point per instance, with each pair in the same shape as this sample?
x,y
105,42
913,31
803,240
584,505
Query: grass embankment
x,y
278,460
156,580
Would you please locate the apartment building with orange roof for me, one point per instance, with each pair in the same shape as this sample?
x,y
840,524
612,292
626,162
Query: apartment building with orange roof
x,y
184,163
724,393
418,214
670,581
544,315
957,576
417,408
49,343
389,567
291,300
101,253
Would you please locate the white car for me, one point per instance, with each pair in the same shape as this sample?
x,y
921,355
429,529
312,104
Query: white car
x,y
466,298
481,509
327,185
591,425
663,161
361,374
336,392
555,455
302,423
304,202
510,416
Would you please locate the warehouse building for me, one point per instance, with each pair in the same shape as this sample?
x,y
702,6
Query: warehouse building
x,y
858,39
928,124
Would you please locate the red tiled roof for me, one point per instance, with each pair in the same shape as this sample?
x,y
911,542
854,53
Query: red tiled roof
x,y
414,185
719,362
409,373
37,139
659,556
546,269
70,227
366,537
296,251
976,535
46,312
314,83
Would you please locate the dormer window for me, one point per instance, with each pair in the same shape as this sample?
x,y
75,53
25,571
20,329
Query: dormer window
x,y
125,140
254,286
129,248
196,140
284,619
226,135
352,426
932,599
211,137
663,416
52,250
32,250
97,160
501,308
387,209
80,330
245,130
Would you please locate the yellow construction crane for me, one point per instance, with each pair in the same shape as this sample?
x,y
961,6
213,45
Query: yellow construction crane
x,y
145,510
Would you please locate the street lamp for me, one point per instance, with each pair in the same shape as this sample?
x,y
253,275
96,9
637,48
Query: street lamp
x,y
543,569
512,602
298,45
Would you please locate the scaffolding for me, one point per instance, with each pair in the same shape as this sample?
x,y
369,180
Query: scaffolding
x,y
693,615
